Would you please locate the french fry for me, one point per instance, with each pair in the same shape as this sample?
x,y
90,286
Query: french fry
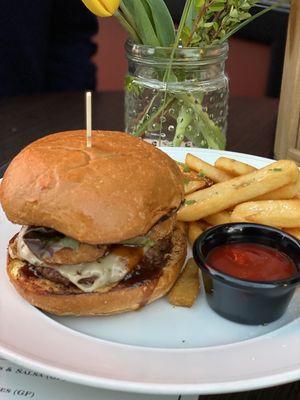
x,y
192,186
279,213
204,225
284,193
297,196
192,176
183,226
294,232
233,167
192,180
181,166
206,169
224,195
188,173
194,230
220,218
187,287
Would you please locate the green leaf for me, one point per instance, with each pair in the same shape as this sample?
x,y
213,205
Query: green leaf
x,y
206,126
216,26
163,22
199,3
144,26
191,15
148,10
208,24
123,21
234,13
245,6
127,14
195,137
245,15
217,7
131,86
185,34
183,120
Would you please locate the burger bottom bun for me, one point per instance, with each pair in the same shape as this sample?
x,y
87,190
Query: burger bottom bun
x,y
57,299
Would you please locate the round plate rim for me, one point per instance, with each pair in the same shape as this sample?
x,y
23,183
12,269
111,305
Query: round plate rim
x,y
289,374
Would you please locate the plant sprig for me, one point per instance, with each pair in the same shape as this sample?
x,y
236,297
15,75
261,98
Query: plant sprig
x,y
214,21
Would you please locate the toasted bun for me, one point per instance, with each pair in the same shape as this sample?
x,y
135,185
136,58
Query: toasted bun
x,y
116,190
59,300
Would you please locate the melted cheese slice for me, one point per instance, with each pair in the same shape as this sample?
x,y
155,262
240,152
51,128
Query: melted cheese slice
x,y
107,270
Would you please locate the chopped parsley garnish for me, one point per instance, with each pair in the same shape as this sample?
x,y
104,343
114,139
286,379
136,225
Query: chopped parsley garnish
x,y
186,181
189,202
201,174
186,168
276,169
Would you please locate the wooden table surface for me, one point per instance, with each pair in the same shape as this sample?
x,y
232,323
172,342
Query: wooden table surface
x,y
251,130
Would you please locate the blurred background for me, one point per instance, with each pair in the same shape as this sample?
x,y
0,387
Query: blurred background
x,y
57,45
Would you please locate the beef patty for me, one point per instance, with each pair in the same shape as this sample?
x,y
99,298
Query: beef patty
x,y
152,262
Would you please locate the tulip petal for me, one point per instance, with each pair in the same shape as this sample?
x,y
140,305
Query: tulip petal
x,y
97,8
111,5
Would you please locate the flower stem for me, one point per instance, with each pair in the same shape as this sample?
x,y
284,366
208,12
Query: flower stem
x,y
143,125
182,23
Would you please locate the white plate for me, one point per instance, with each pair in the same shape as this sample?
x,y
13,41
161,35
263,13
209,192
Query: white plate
x,y
159,349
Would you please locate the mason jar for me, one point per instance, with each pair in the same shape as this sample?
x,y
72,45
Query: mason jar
x,y
183,103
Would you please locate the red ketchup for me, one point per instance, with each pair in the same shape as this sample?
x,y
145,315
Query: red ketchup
x,y
251,261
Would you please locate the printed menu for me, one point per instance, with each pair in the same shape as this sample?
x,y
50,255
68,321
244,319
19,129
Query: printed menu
x,y
17,382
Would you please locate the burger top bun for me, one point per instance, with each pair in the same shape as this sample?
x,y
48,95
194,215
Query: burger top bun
x,y
115,190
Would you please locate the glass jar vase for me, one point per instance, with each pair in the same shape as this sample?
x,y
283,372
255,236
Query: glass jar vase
x,y
180,104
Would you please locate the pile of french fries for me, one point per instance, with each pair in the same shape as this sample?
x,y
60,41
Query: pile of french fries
x,y
232,191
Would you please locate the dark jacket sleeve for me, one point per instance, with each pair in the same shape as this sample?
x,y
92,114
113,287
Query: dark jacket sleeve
x,y
69,65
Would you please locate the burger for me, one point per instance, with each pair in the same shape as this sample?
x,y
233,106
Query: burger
x,y
99,233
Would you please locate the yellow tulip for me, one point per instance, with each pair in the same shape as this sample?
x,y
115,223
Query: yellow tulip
x,y
102,8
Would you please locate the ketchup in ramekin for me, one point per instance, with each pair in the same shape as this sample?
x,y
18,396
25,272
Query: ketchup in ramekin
x,y
251,261
250,271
